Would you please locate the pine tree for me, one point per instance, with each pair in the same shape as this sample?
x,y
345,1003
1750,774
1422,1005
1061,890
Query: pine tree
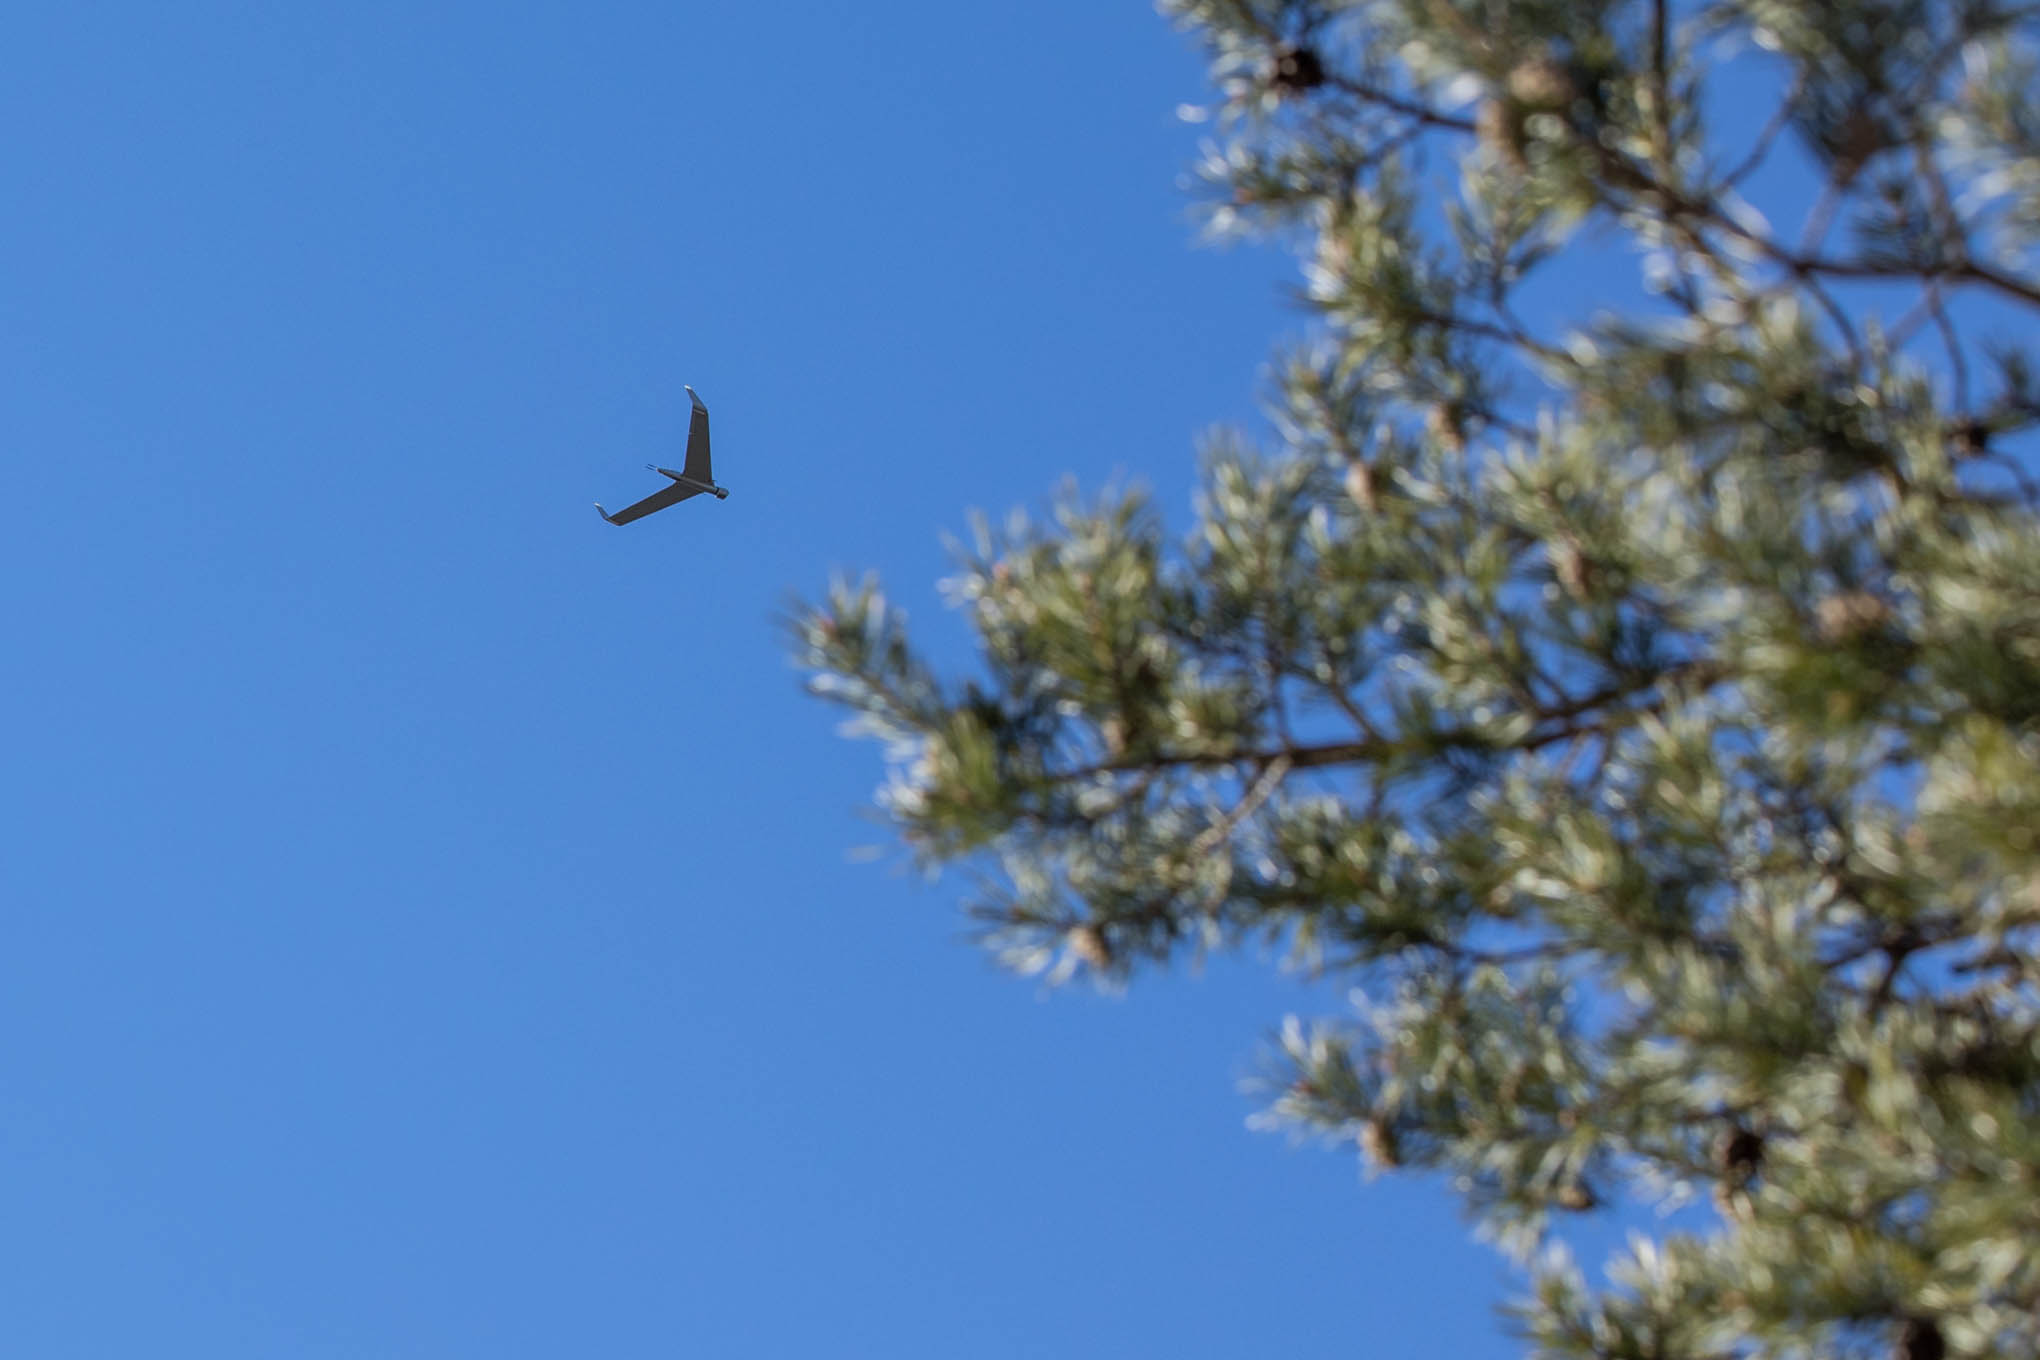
x,y
1641,706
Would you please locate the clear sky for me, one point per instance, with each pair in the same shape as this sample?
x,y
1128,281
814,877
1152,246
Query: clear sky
x,y
431,928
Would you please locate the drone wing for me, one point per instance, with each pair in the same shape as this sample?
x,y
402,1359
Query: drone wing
x,y
658,500
696,465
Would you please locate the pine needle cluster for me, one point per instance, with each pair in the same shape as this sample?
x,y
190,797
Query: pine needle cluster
x,y
1637,698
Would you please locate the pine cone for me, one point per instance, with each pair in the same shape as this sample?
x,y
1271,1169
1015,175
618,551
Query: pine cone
x,y
1860,137
1498,126
1360,484
1920,1339
1445,422
1840,618
1379,1143
1088,943
1112,732
1542,83
1577,1196
1571,566
1297,69
1741,1154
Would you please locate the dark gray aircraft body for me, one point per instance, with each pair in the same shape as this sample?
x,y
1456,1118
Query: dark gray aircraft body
x,y
691,480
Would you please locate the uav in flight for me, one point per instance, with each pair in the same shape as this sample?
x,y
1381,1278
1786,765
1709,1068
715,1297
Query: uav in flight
x,y
691,480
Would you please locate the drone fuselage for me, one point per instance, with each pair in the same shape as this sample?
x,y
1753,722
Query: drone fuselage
x,y
720,493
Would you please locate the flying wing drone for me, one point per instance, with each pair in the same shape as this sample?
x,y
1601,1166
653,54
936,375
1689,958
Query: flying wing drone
x,y
691,480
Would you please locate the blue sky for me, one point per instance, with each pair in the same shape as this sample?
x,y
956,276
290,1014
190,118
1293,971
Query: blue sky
x,y
431,926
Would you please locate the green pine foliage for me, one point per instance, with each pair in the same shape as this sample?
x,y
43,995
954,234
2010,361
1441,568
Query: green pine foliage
x,y
1641,706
